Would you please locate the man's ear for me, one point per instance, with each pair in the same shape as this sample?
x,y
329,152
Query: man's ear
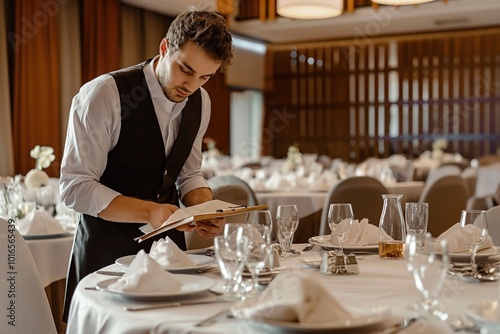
x,y
163,49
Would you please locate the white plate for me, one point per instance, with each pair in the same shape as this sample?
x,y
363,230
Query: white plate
x,y
485,313
201,261
362,319
324,241
481,255
190,284
47,236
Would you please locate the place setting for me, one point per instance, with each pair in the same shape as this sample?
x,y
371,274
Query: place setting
x,y
171,258
146,280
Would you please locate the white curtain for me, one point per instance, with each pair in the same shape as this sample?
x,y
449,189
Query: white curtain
x,y
6,145
69,49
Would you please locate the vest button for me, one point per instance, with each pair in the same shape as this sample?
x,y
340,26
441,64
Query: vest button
x,y
158,196
165,172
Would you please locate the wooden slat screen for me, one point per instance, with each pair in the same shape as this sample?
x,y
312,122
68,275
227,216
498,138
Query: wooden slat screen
x,y
357,100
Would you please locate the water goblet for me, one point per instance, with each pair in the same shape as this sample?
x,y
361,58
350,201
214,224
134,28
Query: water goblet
x,y
259,257
262,218
287,221
340,217
231,253
428,264
473,232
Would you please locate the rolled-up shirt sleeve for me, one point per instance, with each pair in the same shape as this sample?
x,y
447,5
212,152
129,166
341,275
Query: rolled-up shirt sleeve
x,y
93,129
190,177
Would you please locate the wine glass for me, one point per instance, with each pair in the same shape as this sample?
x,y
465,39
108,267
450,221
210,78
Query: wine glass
x,y
428,263
473,232
262,218
259,256
287,221
340,217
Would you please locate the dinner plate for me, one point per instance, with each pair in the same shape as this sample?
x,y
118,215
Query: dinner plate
x,y
485,314
361,319
190,284
201,261
324,241
46,236
481,255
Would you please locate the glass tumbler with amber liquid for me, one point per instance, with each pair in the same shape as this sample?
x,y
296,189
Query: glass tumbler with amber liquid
x,y
392,228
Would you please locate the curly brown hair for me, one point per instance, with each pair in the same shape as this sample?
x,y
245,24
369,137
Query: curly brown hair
x,y
207,29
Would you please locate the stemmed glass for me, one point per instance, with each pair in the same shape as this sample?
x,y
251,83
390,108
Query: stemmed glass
x,y
287,221
262,218
340,217
428,263
231,251
473,232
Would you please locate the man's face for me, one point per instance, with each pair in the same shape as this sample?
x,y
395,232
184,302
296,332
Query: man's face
x,y
184,71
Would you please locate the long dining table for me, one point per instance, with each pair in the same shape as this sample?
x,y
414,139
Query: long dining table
x,y
380,283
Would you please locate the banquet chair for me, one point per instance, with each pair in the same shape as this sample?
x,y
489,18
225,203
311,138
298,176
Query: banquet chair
x,y
232,193
363,192
24,298
216,181
493,222
470,176
447,197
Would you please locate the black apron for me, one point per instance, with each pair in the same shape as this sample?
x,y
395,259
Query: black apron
x,y
136,167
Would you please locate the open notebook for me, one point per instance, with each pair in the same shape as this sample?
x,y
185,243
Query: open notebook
x,y
208,210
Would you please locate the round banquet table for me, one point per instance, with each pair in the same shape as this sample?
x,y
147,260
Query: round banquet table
x,y
380,283
51,257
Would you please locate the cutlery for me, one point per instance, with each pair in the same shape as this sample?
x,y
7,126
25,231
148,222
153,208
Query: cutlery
x,y
308,248
169,304
109,272
398,326
214,318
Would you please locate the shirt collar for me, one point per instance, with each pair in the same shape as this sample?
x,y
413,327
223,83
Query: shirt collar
x,y
154,86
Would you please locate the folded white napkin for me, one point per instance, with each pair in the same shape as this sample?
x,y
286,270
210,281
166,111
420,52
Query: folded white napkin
x,y
455,242
361,234
169,255
145,275
294,296
39,222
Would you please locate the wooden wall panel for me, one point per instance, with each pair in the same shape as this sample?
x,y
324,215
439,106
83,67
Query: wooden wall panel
x,y
358,100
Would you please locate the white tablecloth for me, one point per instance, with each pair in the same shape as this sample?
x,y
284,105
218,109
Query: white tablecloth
x,y
380,282
51,257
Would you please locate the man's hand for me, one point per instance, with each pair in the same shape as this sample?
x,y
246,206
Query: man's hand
x,y
210,228
160,213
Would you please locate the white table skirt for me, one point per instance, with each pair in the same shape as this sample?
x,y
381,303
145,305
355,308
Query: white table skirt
x,y
51,257
380,282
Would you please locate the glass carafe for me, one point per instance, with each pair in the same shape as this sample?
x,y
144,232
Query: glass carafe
x,y
392,228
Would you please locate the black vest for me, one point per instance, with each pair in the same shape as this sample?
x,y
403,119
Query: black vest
x,y
136,167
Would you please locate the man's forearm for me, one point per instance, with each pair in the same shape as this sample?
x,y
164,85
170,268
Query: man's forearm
x,y
197,196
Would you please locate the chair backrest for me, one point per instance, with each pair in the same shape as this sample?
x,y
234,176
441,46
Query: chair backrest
x,y
447,197
441,171
232,193
363,192
493,218
219,180
469,174
27,309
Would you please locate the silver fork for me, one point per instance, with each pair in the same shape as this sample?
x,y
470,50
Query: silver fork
x,y
463,323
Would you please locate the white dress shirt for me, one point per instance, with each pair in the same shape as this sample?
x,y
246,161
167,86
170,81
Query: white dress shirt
x,y
94,128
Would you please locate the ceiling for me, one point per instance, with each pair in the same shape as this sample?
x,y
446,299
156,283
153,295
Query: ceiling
x,y
364,23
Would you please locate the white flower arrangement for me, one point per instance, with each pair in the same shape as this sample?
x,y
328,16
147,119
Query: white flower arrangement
x,y
36,177
440,144
293,159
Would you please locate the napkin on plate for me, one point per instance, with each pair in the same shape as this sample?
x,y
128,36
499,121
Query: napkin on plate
x,y
455,242
39,222
294,296
168,254
145,275
361,234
